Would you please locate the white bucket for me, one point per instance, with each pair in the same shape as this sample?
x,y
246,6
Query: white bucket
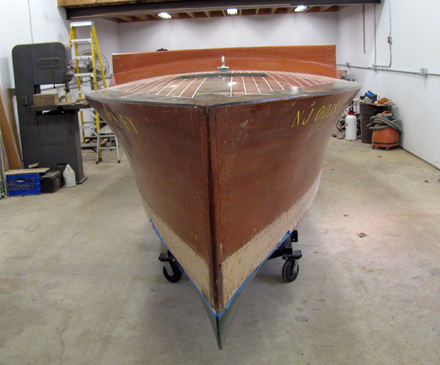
x,y
350,127
69,177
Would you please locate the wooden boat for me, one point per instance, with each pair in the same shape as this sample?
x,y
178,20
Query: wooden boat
x,y
227,160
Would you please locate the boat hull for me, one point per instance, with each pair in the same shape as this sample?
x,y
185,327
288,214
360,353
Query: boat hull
x,y
224,179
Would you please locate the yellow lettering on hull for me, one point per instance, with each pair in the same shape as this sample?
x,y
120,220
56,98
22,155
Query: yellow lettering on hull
x,y
121,121
324,112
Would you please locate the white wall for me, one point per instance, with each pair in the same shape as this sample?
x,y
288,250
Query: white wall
x,y
415,44
38,21
14,29
41,21
21,24
259,30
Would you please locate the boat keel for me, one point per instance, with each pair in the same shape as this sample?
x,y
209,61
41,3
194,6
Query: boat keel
x,y
221,322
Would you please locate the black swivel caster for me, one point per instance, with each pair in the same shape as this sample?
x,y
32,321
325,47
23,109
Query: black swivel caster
x,y
290,270
177,272
176,268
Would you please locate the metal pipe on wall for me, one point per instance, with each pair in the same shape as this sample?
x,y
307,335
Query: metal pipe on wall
x,y
363,27
30,21
375,67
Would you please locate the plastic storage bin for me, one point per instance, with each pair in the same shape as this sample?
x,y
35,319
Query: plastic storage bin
x,y
51,182
23,184
368,111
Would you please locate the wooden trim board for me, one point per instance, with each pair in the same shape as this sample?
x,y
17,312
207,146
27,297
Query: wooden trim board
x,y
10,95
41,170
12,149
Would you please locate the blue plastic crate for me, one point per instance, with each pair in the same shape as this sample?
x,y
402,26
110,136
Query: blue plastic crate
x,y
23,184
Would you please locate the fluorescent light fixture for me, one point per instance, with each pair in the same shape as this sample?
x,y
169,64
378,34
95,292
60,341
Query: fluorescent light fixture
x,y
300,8
232,11
166,15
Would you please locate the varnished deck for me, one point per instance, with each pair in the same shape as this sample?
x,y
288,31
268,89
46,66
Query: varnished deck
x,y
174,86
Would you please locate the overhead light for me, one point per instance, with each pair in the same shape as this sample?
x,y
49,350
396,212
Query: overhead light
x,y
232,11
166,15
300,8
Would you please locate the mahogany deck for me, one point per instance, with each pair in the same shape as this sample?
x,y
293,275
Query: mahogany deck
x,y
239,85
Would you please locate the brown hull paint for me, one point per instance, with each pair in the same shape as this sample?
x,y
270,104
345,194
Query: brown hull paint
x,y
219,179
224,179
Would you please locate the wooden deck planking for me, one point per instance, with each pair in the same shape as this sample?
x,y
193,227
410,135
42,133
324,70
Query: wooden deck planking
x,y
192,88
262,85
251,86
239,85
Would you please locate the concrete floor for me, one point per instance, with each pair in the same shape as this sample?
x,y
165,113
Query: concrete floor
x,y
80,282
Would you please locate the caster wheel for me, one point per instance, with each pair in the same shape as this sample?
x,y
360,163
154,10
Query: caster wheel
x,y
290,270
177,272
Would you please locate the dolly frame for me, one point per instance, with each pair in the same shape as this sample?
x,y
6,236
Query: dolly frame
x,y
289,272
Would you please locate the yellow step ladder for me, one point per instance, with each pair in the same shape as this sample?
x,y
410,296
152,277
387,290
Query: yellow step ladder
x,y
94,51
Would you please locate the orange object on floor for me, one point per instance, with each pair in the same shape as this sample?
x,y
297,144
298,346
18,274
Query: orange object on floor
x,y
386,138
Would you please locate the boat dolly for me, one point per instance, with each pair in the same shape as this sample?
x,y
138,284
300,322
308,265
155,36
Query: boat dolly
x,y
289,271
291,267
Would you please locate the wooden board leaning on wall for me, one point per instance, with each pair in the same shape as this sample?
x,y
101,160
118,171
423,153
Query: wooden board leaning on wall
x,y
9,138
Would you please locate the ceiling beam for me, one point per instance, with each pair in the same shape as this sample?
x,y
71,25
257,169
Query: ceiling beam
x,y
142,17
134,9
115,20
126,18
216,13
324,8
